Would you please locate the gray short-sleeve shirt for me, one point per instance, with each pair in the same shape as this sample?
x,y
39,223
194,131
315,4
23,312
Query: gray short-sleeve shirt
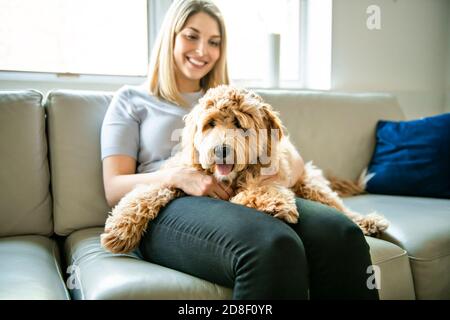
x,y
143,126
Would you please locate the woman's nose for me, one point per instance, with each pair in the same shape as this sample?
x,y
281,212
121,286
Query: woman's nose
x,y
201,49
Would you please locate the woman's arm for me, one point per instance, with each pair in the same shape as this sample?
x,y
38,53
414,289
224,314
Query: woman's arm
x,y
119,178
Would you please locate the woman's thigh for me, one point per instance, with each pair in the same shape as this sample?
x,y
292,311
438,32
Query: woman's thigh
x,y
214,239
337,253
228,244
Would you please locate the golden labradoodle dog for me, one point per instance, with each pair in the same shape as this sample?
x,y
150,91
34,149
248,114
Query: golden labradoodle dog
x,y
235,136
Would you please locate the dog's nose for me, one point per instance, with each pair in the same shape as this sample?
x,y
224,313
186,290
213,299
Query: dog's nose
x,y
222,151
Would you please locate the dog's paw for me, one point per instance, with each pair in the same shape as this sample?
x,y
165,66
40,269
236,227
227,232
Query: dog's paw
x,y
115,243
289,215
273,199
373,224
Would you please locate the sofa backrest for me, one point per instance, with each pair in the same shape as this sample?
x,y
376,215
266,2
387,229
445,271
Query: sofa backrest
x,y
25,201
74,124
335,130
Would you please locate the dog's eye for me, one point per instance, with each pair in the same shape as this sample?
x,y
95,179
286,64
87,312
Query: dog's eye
x,y
237,123
212,123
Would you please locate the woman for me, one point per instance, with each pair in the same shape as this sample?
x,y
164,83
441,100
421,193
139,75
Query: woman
x,y
325,255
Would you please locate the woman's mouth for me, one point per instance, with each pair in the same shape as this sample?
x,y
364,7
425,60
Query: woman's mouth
x,y
198,64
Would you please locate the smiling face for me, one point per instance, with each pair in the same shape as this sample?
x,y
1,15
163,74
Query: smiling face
x,y
196,51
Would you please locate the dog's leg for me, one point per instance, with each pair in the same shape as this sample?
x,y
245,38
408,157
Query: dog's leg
x,y
128,220
273,199
313,186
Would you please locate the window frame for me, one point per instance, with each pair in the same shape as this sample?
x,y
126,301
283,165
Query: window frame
x,y
303,82
155,13
286,84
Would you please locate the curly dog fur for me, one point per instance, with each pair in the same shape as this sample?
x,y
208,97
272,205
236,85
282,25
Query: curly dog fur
x,y
235,136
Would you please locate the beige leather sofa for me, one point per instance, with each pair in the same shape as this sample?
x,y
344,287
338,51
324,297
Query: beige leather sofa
x,y
52,202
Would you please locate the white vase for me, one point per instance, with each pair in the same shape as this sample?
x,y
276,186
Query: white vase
x,y
273,60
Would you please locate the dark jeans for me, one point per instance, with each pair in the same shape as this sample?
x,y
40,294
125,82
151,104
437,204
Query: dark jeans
x,y
259,256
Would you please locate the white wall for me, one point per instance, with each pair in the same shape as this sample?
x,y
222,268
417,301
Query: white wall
x,y
447,107
407,56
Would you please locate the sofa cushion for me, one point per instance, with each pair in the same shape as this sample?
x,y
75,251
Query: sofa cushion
x,y
25,202
412,158
29,269
335,130
74,124
422,227
396,281
103,275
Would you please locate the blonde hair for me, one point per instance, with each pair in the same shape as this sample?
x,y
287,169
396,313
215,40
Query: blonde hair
x,y
162,65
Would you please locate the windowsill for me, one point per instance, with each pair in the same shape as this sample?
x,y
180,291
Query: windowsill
x,y
75,79
68,78
284,85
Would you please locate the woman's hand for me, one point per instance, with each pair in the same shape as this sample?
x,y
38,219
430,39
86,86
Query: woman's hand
x,y
196,183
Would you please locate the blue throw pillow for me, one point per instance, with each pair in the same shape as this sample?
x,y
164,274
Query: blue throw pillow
x,y
412,158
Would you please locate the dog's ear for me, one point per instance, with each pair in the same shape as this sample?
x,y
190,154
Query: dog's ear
x,y
268,147
273,119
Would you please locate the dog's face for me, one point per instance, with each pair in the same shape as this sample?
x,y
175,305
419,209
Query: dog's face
x,y
229,130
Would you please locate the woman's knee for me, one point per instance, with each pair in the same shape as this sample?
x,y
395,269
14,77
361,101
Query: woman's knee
x,y
273,241
322,225
274,262
281,238
354,237
346,232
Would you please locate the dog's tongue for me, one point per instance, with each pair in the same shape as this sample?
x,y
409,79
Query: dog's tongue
x,y
224,169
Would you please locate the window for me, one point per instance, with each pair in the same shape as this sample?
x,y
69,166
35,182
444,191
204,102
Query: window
x,y
304,29
113,37
316,45
249,25
107,37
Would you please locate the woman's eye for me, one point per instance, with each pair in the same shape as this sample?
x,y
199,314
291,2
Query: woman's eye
x,y
191,37
214,43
